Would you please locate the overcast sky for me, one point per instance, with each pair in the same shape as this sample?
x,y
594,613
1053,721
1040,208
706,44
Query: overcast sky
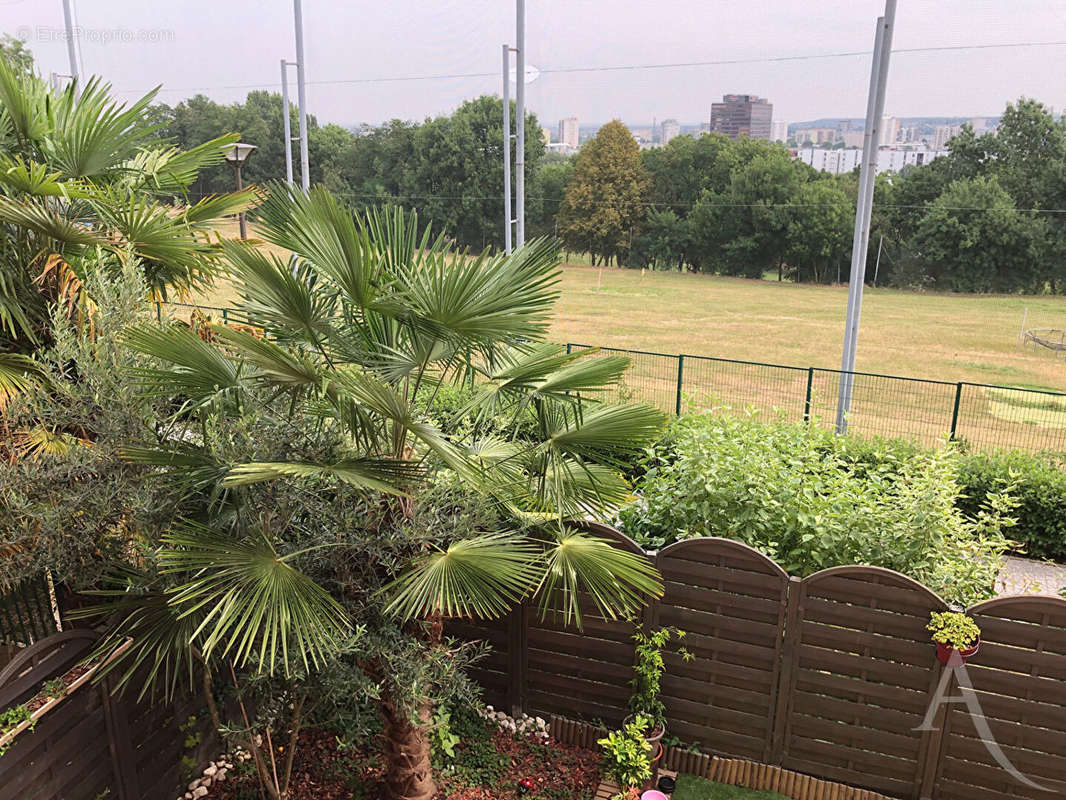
x,y
221,47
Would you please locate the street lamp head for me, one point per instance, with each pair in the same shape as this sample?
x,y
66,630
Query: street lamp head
x,y
239,152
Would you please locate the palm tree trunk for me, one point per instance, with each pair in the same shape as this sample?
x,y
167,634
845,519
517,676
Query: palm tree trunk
x,y
409,772
409,769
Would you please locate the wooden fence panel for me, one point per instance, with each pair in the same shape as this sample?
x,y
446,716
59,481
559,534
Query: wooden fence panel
x,y
860,679
92,744
730,600
492,673
1019,678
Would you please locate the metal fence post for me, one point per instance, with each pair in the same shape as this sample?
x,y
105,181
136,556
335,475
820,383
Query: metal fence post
x,y
569,348
955,410
807,401
158,311
680,376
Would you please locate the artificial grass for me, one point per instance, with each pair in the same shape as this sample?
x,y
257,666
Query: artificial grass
x,y
690,787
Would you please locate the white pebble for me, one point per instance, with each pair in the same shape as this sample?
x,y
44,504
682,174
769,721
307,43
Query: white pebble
x,y
201,792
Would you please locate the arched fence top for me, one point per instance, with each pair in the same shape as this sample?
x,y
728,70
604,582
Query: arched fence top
x,y
717,543
613,535
1014,601
39,651
881,575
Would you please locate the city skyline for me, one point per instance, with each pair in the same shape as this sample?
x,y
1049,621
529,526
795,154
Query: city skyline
x,y
825,68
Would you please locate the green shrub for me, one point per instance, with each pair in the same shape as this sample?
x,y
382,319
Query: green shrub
x,y
1039,488
811,500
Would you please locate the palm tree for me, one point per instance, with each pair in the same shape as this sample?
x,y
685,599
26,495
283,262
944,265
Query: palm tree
x,y
86,184
354,338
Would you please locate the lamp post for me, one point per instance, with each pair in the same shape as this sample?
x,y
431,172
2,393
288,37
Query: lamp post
x,y
237,154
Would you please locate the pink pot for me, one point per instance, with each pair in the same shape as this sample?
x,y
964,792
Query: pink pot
x,y
653,794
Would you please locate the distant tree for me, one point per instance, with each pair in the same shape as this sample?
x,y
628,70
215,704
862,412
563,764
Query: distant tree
x,y
819,232
14,52
545,196
604,207
743,230
974,239
686,166
455,177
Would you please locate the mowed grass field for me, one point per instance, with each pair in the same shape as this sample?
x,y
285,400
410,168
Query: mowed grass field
x,y
922,335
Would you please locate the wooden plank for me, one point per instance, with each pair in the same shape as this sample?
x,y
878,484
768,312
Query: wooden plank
x,y
897,597
712,624
862,734
889,718
919,654
854,688
887,623
872,670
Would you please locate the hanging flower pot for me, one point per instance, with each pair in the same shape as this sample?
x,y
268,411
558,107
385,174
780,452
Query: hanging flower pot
x,y
957,637
945,651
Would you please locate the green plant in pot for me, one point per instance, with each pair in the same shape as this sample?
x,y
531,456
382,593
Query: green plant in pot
x,y
647,680
626,755
954,632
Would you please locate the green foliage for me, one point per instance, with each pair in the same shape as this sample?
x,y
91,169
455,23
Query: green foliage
x,y
1039,488
444,739
11,718
53,687
811,500
603,205
15,53
69,501
83,184
648,673
625,754
954,629
467,752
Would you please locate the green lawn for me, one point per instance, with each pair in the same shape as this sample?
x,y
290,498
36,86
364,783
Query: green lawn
x,y
922,335
689,787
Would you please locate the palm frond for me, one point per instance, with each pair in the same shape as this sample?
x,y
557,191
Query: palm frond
x,y
91,133
18,374
485,299
608,431
319,228
252,603
146,637
275,297
170,170
376,474
33,178
481,577
194,367
617,581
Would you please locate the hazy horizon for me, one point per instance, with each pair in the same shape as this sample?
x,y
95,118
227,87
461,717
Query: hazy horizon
x,y
362,58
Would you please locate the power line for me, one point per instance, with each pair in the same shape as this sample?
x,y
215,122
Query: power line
x,y
612,68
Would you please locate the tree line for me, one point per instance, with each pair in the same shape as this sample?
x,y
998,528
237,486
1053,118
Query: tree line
x,y
984,218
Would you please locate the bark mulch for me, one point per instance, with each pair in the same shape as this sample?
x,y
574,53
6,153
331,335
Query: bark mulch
x,y
321,771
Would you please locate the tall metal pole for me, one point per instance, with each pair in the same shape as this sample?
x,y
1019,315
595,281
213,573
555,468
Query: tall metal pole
x,y
875,108
301,94
520,122
68,19
286,123
507,219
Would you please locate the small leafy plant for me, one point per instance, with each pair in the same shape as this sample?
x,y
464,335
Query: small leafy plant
x,y
954,629
648,674
11,718
625,754
444,738
53,688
